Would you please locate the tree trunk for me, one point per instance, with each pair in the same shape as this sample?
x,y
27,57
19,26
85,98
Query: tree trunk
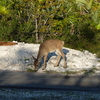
x,y
36,28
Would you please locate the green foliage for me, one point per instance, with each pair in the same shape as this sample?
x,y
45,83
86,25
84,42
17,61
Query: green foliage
x,y
90,72
77,22
30,70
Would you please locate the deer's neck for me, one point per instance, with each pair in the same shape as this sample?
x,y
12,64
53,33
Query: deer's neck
x,y
39,57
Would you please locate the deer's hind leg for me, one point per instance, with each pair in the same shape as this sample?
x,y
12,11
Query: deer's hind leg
x,y
61,54
64,57
58,59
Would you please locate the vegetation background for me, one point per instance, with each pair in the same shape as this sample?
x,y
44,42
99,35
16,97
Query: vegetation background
x,y
77,22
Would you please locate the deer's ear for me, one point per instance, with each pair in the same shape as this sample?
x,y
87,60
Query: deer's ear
x,y
33,57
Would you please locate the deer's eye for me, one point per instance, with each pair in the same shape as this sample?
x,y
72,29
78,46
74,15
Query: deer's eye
x,y
37,65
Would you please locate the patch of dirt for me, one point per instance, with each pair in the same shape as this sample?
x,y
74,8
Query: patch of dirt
x,y
7,43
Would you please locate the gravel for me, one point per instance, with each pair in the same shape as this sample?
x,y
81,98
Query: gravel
x,y
32,94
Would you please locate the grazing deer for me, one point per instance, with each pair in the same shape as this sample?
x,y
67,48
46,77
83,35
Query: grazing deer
x,y
52,45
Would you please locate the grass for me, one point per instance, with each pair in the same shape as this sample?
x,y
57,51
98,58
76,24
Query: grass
x,y
84,72
90,72
66,72
52,72
30,70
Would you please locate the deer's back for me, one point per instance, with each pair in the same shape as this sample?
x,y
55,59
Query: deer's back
x,y
51,45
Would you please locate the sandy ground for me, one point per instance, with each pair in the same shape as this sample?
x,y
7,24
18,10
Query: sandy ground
x,y
19,58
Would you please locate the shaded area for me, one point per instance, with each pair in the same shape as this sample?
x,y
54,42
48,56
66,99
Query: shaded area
x,y
51,54
17,57
49,81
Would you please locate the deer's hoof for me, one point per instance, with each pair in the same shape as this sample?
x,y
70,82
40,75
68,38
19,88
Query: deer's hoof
x,y
43,68
65,67
56,65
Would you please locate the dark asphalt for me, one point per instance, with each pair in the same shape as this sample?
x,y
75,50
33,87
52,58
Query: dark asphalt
x,y
14,79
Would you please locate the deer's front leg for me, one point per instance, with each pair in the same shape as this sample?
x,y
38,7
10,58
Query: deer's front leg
x,y
44,64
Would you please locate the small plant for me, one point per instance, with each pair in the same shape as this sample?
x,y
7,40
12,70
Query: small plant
x,y
89,72
30,70
71,72
52,72
26,60
98,55
67,72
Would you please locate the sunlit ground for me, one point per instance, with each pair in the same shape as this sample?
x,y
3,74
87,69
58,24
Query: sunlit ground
x,y
33,94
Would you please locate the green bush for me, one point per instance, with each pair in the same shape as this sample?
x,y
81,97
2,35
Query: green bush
x,y
77,22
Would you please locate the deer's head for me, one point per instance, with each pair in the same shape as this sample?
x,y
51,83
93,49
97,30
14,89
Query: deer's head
x,y
35,63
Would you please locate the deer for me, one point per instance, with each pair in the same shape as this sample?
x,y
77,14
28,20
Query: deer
x,y
49,46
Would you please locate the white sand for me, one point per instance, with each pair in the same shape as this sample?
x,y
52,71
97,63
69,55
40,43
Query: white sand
x,y
19,58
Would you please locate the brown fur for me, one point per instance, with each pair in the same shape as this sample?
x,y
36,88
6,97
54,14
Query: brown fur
x,y
47,47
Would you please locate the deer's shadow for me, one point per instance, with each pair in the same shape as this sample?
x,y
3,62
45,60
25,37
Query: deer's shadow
x,y
65,51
